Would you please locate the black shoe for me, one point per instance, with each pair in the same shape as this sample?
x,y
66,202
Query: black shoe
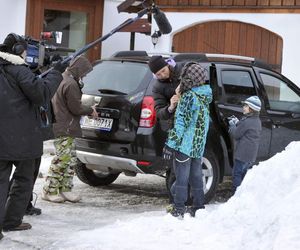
x,y
21,227
33,211
192,210
177,213
1,236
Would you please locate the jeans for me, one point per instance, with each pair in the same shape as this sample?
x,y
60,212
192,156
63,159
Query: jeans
x,y
188,171
239,171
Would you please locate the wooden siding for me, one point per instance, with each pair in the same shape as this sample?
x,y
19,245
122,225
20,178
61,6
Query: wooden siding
x,y
231,37
244,6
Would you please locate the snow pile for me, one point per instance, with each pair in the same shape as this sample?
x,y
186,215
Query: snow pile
x,y
264,214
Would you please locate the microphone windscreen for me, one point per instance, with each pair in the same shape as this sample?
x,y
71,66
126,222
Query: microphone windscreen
x,y
162,21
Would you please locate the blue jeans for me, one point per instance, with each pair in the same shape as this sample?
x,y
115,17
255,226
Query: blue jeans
x,y
187,171
239,171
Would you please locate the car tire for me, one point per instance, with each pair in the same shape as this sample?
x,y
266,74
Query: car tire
x,y
211,175
94,178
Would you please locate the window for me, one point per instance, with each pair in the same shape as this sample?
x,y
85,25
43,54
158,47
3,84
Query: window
x,y
280,95
238,86
122,77
72,24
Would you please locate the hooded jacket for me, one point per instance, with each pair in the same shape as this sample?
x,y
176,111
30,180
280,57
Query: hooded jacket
x,y
191,122
67,105
21,94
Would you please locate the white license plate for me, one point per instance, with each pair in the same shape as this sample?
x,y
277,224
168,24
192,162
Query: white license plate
x,y
97,123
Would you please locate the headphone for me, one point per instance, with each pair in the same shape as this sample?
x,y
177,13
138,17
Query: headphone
x,y
18,48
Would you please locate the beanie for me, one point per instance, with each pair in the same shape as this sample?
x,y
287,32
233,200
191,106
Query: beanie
x,y
156,63
254,103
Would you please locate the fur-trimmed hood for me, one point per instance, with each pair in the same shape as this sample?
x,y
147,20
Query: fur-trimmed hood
x,y
6,58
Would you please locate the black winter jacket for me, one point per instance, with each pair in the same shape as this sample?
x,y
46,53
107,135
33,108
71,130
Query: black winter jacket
x,y
21,94
163,91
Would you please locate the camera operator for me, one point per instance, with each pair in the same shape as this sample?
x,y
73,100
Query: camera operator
x,y
21,142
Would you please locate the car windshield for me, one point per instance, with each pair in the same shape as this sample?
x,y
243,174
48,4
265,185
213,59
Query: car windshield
x,y
115,77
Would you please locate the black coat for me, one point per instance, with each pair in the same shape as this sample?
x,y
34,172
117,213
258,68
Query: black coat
x,y
21,94
163,91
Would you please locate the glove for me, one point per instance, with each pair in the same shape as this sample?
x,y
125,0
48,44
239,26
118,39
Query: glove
x,y
60,66
232,120
167,153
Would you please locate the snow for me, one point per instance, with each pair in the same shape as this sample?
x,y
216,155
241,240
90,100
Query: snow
x,y
264,214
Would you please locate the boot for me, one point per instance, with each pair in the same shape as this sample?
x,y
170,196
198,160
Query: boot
x,y
21,227
192,210
1,236
177,213
56,198
69,196
31,210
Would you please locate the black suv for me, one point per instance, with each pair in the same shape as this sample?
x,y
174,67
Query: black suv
x,y
127,137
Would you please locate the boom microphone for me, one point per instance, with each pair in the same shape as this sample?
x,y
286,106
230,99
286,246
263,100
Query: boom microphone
x,y
161,21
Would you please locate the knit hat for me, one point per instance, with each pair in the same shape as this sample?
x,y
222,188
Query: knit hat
x,y
192,75
15,44
253,102
156,63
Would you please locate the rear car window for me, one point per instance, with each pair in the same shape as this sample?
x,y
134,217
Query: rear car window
x,y
238,85
117,76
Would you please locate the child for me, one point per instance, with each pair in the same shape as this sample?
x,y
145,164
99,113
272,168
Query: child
x,y
246,133
188,137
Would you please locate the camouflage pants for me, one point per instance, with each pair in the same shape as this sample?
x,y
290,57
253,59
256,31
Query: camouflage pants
x,y
61,171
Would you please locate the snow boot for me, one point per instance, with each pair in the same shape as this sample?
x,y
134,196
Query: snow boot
x,y
56,198
1,236
192,210
69,196
31,210
177,213
21,227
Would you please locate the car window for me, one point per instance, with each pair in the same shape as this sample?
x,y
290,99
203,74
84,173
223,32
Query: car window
x,y
280,96
117,76
238,85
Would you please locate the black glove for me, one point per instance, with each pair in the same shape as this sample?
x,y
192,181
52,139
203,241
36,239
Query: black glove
x,y
61,66
167,153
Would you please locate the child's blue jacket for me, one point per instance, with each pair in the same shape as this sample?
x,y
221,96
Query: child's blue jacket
x,y
191,122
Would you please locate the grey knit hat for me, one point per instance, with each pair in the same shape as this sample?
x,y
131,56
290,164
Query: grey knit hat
x,y
253,102
192,75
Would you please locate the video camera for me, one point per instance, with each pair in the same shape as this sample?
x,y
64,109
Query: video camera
x,y
39,51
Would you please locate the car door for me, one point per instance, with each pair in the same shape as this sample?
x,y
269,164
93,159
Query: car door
x,y
235,84
283,109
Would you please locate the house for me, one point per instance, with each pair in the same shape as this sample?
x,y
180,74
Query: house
x,y
266,29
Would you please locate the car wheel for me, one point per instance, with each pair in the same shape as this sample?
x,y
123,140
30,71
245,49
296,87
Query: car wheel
x,y
93,177
210,170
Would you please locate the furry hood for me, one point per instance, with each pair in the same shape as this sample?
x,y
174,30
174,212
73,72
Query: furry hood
x,y
11,59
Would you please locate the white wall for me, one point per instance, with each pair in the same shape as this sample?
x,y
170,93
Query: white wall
x,y
285,25
12,17
120,40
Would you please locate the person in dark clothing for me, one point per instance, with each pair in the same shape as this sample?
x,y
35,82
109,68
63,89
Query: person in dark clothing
x,y
21,141
168,78
47,119
167,73
247,133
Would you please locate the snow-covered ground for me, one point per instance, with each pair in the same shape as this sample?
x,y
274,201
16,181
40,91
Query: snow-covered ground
x,y
264,214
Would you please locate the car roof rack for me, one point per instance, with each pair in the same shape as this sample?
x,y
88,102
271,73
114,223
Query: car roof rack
x,y
130,53
208,57
198,57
